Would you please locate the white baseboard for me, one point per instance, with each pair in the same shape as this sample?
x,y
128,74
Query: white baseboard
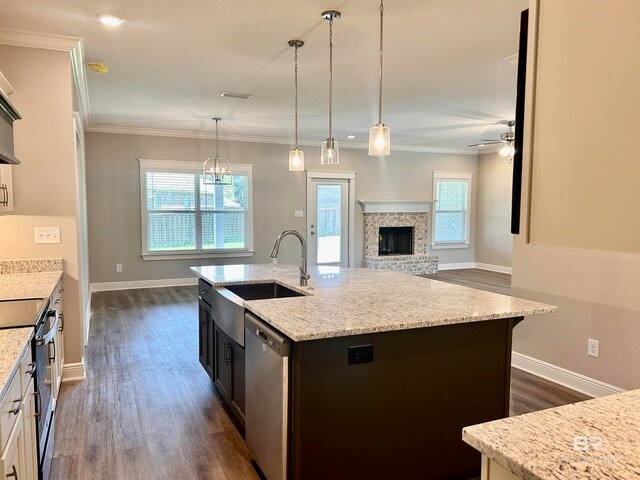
x,y
562,376
129,285
481,266
73,371
456,266
493,268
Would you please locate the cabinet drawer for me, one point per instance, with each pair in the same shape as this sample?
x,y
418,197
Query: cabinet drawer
x,y
205,291
8,412
26,370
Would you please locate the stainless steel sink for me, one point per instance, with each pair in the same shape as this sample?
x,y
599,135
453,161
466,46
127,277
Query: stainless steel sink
x,y
228,306
262,291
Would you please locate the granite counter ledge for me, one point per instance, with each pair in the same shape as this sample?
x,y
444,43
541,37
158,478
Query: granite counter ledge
x,y
16,286
590,440
13,343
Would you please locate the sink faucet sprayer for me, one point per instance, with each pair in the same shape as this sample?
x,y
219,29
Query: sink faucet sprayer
x,y
304,276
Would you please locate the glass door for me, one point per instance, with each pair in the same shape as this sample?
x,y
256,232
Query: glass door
x,y
328,222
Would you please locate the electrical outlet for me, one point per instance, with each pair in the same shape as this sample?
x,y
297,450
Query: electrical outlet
x,y
593,348
298,213
46,234
360,354
118,267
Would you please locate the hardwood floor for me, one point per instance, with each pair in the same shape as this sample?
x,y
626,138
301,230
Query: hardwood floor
x,y
147,409
476,278
528,392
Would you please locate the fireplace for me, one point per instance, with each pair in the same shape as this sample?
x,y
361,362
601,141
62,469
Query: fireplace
x,y
395,241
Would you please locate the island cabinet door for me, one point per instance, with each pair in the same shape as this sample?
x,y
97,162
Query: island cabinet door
x,y
205,325
222,370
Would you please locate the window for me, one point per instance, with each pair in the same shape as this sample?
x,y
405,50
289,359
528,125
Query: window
x,y
181,216
451,210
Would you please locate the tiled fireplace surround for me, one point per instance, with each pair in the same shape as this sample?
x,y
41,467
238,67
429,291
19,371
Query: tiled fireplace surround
x,y
417,264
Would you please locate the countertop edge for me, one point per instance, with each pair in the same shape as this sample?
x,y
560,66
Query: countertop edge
x,y
16,363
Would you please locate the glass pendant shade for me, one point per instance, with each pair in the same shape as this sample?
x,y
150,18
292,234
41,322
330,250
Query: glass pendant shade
x,y
507,151
379,141
329,152
296,160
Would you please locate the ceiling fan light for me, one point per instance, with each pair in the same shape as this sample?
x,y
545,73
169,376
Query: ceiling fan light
x,y
379,141
507,151
329,154
296,160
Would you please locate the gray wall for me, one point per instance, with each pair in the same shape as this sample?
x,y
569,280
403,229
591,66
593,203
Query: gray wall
x,y
494,242
113,189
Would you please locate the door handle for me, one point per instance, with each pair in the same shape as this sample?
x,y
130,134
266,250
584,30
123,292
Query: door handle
x,y
13,473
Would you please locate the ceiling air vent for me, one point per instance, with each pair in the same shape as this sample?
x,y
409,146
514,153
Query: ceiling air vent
x,y
244,96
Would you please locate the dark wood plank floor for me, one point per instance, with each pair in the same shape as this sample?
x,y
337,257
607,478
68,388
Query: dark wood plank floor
x,y
476,278
147,410
528,392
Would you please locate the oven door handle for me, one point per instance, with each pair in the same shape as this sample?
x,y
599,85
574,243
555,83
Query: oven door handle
x,y
44,338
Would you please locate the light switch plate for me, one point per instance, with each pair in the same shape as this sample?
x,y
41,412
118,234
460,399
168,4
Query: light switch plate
x,y
298,213
47,234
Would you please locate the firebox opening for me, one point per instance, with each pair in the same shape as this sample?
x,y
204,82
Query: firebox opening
x,y
395,241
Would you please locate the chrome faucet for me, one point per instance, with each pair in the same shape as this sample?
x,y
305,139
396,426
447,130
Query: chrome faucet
x,y
304,276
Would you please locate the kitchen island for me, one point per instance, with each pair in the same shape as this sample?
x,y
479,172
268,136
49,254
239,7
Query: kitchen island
x,y
385,368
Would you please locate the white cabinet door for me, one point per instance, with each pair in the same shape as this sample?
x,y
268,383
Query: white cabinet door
x,y
12,460
6,189
30,444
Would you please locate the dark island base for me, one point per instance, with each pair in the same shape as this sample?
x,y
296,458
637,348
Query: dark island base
x,y
400,415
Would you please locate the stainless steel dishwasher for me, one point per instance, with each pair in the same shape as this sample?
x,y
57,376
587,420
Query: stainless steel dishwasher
x,y
267,396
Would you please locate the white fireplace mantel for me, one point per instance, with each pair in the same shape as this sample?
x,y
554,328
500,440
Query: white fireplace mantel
x,y
398,206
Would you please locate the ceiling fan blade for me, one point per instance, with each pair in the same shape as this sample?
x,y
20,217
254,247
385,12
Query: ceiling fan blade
x,y
492,140
478,145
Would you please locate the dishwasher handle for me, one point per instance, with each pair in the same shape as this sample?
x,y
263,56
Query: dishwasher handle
x,y
269,336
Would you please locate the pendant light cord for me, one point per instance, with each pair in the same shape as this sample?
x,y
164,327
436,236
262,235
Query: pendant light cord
x,y
330,81
381,52
296,90
216,159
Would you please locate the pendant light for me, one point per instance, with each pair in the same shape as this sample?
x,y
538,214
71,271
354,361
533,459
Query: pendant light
x,y
329,150
296,156
379,135
216,170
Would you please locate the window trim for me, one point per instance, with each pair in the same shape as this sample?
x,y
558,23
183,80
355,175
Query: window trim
x,y
178,166
466,243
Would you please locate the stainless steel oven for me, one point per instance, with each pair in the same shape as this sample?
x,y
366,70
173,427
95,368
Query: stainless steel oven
x,y
45,355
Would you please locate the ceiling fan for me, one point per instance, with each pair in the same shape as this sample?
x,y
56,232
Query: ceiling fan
x,y
506,138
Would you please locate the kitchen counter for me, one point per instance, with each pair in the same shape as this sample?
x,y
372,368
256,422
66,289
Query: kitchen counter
x,y
14,342
15,286
340,302
594,439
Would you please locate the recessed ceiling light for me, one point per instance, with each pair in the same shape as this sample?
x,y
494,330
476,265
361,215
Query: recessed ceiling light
x,y
109,19
351,137
244,96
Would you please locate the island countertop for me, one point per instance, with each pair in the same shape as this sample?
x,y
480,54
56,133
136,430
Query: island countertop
x,y
352,301
594,439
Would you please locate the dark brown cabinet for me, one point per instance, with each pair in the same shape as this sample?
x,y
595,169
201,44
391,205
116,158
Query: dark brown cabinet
x,y
229,372
206,348
220,355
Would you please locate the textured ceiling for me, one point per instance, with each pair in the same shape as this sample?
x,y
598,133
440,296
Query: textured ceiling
x,y
446,78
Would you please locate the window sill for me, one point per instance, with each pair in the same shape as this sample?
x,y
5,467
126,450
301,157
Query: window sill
x,y
446,246
188,256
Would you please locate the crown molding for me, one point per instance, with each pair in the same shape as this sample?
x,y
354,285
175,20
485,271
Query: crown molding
x,y
256,139
61,43
19,38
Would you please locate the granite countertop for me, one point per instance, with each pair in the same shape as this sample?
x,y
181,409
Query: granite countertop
x,y
14,342
352,301
594,439
14,286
